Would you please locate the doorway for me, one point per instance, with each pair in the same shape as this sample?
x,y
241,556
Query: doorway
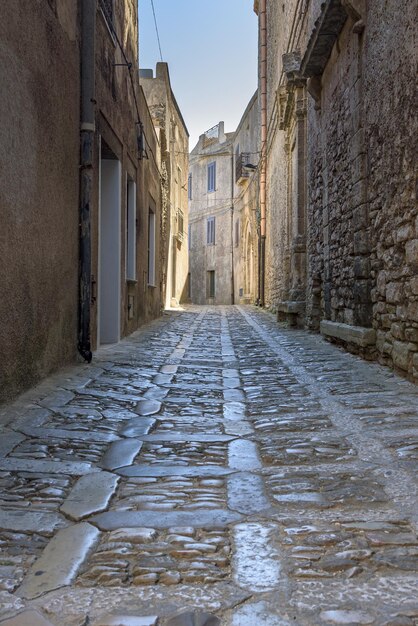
x,y
109,247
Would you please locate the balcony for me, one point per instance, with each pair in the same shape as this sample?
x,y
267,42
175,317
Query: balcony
x,y
243,167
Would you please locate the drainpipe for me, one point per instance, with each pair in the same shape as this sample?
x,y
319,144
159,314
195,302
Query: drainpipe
x,y
263,164
232,229
87,129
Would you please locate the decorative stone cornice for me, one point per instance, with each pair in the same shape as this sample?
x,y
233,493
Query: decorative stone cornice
x,y
326,30
286,93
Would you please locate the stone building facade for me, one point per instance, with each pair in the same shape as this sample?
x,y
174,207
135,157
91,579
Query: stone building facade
x,y
173,137
342,238
223,213
210,218
80,191
245,221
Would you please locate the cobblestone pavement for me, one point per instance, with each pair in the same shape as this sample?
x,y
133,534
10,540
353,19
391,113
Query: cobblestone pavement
x,y
213,469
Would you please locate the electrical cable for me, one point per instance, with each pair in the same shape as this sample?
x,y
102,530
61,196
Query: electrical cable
x,y
111,25
156,29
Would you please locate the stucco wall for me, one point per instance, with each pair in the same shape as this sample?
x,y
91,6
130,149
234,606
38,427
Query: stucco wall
x,y
39,135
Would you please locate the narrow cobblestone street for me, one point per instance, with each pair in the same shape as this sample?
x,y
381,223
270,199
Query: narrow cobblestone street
x,y
215,462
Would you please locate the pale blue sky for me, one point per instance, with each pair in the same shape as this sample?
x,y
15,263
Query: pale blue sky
x,y
211,49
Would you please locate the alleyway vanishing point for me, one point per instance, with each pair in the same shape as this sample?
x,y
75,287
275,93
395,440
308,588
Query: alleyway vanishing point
x,y
213,469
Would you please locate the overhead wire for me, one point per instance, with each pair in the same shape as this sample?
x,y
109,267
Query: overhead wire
x,y
156,29
129,64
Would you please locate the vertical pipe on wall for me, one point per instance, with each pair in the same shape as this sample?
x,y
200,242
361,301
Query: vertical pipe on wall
x,y
87,129
263,163
232,228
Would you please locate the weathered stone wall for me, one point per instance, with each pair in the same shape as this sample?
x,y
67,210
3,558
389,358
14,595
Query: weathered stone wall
x,y
361,184
217,204
117,124
391,129
174,143
362,203
277,265
335,212
246,218
39,136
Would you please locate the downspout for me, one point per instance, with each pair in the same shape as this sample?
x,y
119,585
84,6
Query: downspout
x,y
263,164
232,230
87,129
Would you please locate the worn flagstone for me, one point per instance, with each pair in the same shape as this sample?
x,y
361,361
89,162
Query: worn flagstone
x,y
225,468
91,494
60,561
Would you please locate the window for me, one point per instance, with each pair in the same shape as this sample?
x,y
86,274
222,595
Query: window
x,y
237,233
151,248
189,187
130,230
212,176
210,231
189,238
211,284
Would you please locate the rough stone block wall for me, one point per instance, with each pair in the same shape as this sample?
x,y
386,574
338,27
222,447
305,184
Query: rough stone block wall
x,y
391,128
363,224
279,23
332,179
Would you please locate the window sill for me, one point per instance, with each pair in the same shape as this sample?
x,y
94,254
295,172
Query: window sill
x,y
131,281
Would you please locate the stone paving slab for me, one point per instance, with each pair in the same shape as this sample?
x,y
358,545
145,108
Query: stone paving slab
x,y
184,437
28,521
172,470
200,518
35,466
137,428
8,441
60,562
59,433
121,453
91,494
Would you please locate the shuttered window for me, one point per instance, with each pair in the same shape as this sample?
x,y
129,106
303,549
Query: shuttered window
x,y
212,176
210,231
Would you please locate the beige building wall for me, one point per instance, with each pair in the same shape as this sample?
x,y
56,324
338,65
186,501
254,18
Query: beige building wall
x,y
174,144
39,135
40,187
213,147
